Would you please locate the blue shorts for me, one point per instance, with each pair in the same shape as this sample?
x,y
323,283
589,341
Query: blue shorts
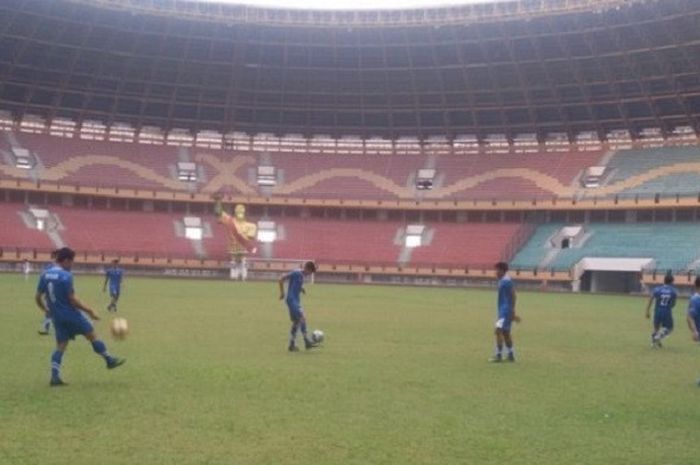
x,y
67,328
295,311
663,319
114,291
504,324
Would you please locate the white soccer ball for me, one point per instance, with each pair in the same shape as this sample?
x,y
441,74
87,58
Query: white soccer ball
x,y
318,336
119,328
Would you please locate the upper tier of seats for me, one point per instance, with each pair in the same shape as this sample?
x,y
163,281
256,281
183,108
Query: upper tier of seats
x,y
349,176
672,245
480,176
673,170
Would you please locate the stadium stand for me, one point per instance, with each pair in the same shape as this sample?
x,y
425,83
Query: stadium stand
x,y
14,234
527,175
327,240
481,244
347,176
338,241
91,163
101,163
671,245
674,170
536,248
120,232
478,176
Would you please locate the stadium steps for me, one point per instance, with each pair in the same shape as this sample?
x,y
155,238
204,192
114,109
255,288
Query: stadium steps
x,y
15,234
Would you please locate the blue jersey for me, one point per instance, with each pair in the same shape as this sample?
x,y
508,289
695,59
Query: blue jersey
x,y
665,297
296,282
57,284
505,297
114,276
49,265
694,309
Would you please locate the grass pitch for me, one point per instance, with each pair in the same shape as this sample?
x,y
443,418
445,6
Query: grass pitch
x,y
402,379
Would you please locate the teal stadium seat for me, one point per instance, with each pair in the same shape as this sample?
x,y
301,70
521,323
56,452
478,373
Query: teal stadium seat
x,y
673,246
629,163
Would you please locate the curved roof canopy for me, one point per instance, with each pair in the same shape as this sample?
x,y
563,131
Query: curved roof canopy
x,y
628,67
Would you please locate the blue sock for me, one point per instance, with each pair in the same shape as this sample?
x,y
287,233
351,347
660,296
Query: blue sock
x,y
56,358
101,349
499,349
293,334
303,330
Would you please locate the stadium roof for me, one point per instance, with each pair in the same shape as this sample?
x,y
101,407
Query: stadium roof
x,y
349,4
452,12
631,67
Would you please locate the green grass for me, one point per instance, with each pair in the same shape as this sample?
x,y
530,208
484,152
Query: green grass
x,y
402,379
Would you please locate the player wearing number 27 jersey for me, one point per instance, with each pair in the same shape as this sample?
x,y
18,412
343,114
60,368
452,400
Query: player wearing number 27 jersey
x,y
665,297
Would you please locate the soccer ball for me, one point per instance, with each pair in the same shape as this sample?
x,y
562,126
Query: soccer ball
x,y
318,336
119,328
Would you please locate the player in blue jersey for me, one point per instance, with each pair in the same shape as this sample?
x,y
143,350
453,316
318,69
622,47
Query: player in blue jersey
x,y
113,276
56,286
46,323
694,312
665,297
506,314
693,316
296,313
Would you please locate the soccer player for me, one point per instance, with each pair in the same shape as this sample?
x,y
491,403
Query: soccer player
x,y
694,312
46,323
693,317
296,313
506,314
114,276
56,285
665,297
26,269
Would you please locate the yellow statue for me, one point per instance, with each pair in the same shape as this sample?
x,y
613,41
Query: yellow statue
x,y
241,237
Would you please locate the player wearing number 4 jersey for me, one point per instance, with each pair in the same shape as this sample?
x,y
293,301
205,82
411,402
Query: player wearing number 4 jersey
x,y
56,286
665,297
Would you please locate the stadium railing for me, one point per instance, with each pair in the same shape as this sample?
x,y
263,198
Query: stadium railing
x,y
618,201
